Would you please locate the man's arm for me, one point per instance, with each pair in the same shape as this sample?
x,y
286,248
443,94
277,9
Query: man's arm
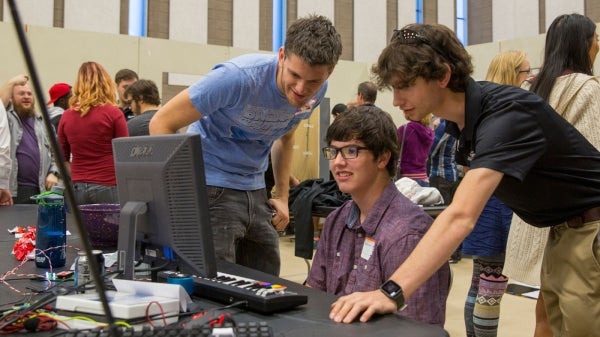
x,y
447,232
281,157
179,112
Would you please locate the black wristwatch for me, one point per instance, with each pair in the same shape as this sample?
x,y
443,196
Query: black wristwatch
x,y
393,290
55,172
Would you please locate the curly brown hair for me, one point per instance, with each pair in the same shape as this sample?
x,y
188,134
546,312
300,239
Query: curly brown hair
x,y
93,87
426,53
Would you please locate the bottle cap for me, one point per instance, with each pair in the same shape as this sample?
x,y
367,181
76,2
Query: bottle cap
x,y
58,190
49,198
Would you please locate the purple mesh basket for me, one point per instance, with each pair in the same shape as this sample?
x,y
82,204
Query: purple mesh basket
x,y
101,222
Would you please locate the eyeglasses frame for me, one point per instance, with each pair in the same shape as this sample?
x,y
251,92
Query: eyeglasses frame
x,y
339,150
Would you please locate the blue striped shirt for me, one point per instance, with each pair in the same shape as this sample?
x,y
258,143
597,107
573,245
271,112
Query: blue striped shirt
x,y
442,162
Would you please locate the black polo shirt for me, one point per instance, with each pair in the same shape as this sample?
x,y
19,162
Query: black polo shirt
x,y
551,172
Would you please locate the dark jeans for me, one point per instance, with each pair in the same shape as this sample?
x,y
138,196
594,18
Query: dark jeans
x,y
445,187
242,228
24,194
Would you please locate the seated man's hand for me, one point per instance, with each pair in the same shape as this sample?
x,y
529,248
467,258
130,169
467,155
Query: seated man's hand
x,y
347,308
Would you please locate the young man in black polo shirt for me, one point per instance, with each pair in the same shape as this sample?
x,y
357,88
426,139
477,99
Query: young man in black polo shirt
x,y
518,148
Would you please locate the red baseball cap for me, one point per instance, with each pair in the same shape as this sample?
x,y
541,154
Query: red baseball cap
x,y
57,91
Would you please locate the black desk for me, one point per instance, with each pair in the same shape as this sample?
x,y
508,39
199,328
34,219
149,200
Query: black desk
x,y
308,320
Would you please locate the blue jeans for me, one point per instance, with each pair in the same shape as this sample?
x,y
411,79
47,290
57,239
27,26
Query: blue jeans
x,y
242,228
88,193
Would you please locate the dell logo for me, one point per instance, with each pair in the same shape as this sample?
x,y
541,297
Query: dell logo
x,y
140,151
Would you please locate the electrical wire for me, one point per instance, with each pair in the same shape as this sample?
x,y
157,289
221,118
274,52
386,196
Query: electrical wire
x,y
30,321
149,320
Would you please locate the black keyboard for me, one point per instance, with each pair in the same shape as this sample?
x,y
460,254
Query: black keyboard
x,y
241,329
259,296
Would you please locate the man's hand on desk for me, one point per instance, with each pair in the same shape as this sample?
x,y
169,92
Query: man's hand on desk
x,y
347,308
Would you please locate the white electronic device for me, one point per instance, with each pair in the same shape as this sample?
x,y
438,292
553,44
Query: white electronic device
x,y
122,305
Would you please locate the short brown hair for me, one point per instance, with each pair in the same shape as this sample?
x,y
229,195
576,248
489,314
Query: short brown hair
x,y
370,125
368,90
144,90
125,74
314,40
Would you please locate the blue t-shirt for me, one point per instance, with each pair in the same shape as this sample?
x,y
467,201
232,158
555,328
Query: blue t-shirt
x,y
244,112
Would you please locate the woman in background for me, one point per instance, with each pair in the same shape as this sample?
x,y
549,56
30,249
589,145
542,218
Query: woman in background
x,y
415,140
85,134
567,83
487,241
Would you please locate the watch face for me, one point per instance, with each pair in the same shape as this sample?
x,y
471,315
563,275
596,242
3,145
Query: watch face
x,y
390,287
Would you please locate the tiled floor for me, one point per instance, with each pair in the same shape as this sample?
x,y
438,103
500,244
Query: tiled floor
x,y
516,317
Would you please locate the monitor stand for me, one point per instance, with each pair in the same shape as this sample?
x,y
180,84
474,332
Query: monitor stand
x,y
131,213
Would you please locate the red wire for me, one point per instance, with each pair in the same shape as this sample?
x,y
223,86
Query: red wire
x,y
45,323
162,312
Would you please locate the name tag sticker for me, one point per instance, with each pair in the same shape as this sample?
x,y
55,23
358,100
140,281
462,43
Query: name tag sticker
x,y
367,249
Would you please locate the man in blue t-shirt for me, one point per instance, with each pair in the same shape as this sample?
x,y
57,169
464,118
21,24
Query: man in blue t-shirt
x,y
518,149
244,109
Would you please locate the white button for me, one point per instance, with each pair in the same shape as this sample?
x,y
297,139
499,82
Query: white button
x,y
337,254
354,267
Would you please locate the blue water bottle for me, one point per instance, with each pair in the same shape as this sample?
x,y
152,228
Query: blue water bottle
x,y
51,229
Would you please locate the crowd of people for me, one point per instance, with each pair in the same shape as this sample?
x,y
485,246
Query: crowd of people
x,y
85,117
526,144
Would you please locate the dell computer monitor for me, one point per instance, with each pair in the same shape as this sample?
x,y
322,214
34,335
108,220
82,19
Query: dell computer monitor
x,y
164,205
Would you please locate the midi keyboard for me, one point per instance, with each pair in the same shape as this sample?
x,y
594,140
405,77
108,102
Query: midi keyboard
x,y
259,296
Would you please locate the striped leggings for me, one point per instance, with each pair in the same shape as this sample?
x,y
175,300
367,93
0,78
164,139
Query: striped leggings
x,y
482,307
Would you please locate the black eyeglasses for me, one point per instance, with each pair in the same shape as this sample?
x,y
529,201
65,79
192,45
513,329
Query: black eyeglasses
x,y
348,152
530,71
409,36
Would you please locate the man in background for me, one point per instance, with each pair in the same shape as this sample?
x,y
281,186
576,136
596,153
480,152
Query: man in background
x,y
144,102
124,78
366,95
59,98
338,109
33,169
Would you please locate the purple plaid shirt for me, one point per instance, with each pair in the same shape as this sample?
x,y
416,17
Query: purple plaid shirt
x,y
354,256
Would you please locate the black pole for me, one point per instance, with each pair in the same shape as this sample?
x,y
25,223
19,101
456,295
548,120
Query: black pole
x,y
60,162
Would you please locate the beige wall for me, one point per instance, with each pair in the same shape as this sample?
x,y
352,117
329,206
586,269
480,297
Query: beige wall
x,y
58,53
